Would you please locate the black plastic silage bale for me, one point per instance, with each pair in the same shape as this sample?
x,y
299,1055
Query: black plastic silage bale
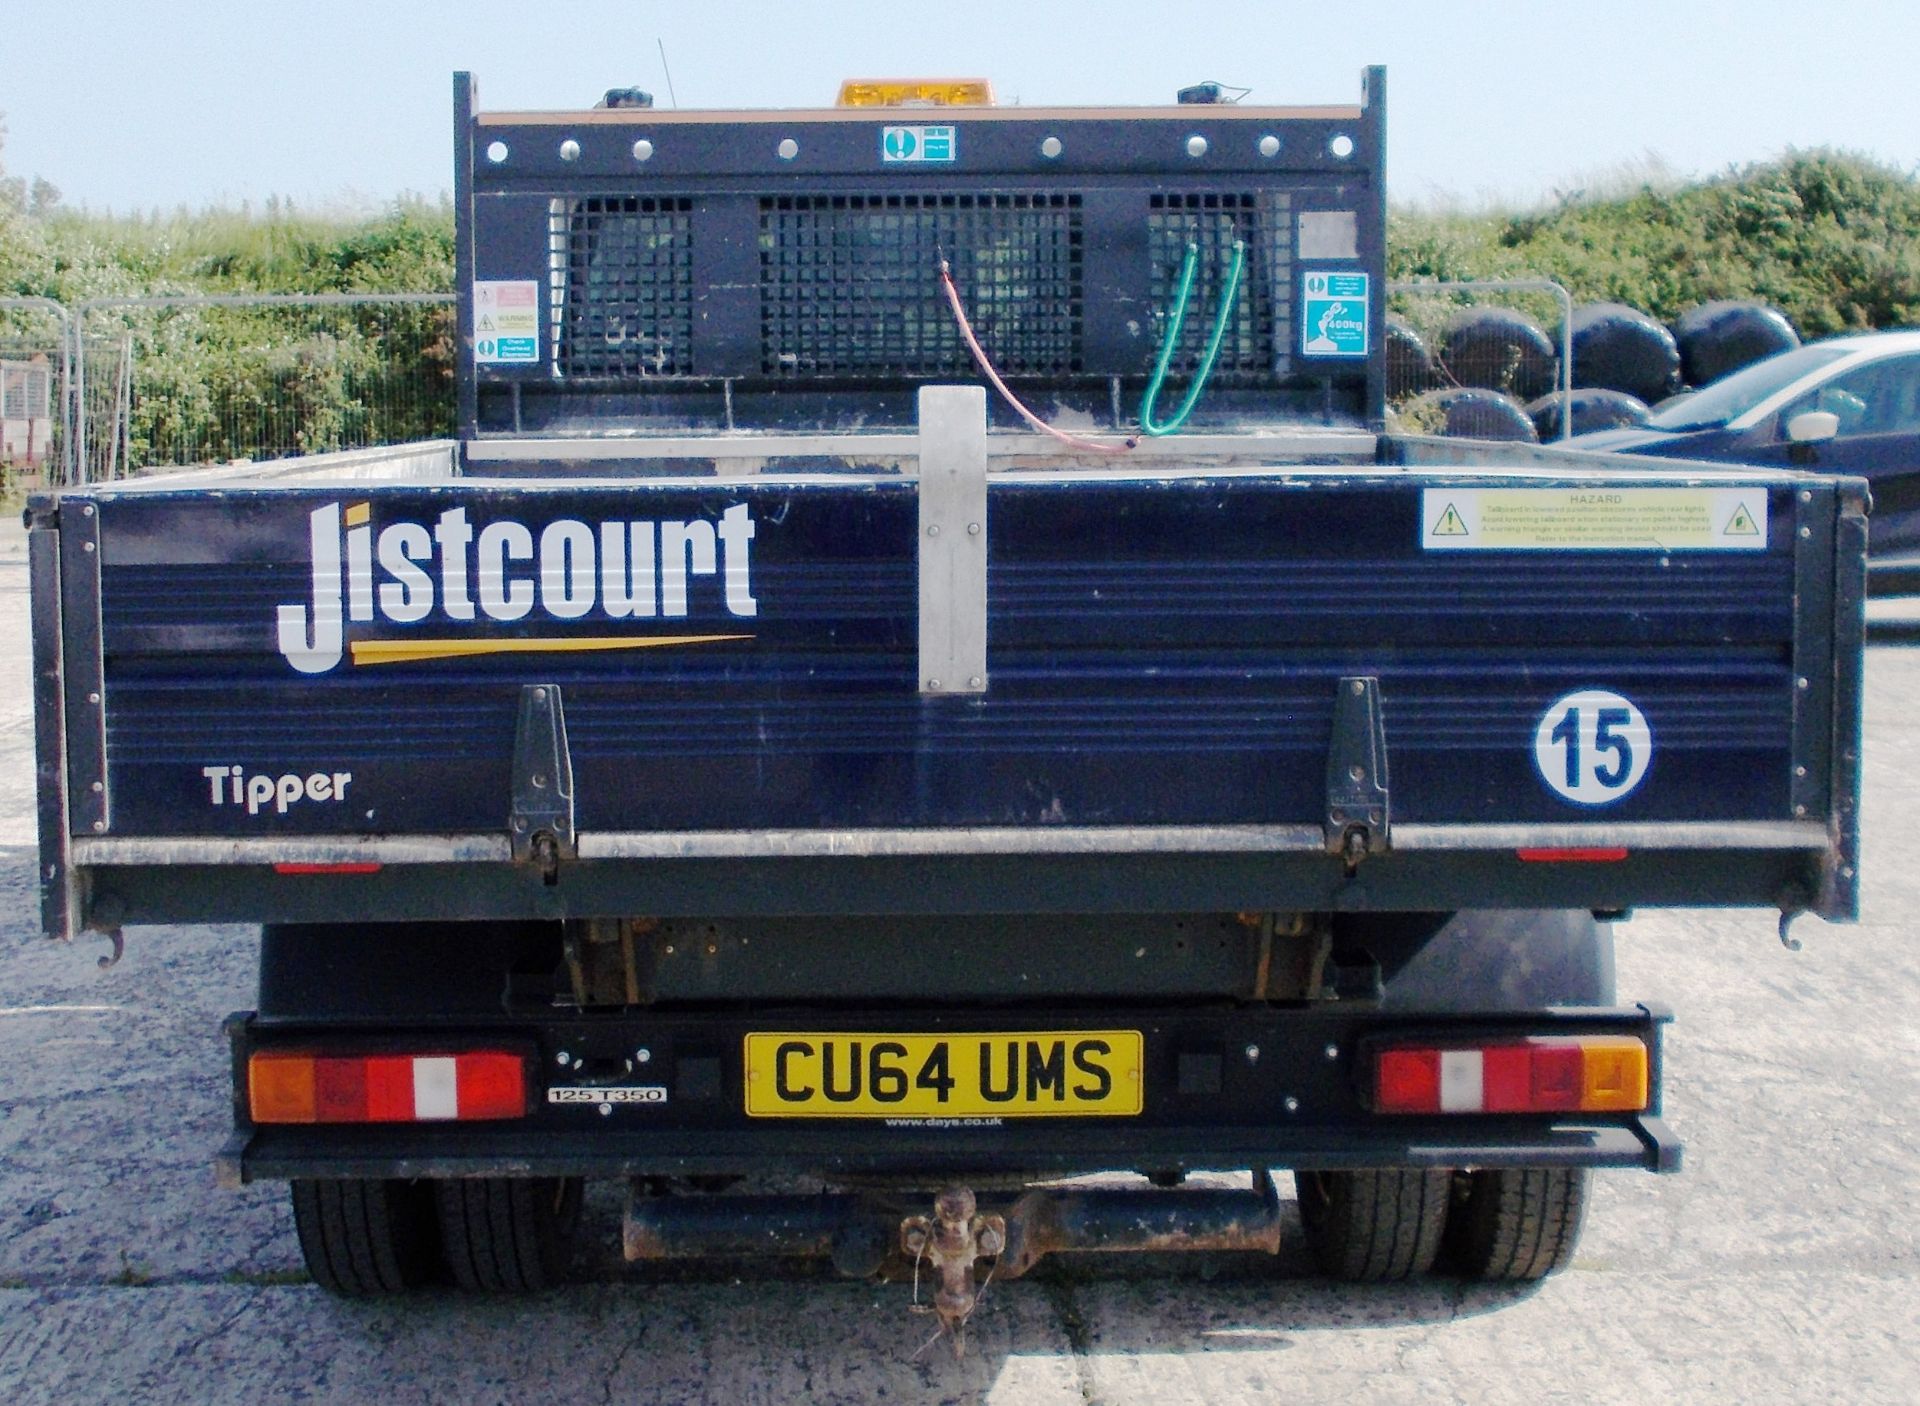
x,y
1498,349
1409,363
1470,413
1618,348
1717,339
1590,410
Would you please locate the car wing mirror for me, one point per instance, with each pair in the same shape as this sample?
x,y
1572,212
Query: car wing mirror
x,y
1813,426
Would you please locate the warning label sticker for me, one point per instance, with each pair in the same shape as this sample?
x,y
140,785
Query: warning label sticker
x,y
506,320
935,145
1590,519
1334,308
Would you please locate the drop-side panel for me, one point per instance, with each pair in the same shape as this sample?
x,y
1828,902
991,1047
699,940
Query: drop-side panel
x,y
742,656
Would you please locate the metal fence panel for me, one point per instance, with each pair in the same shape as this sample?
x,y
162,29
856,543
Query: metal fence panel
x,y
195,379
1512,336
102,385
35,379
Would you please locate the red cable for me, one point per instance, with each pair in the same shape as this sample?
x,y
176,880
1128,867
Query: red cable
x,y
986,369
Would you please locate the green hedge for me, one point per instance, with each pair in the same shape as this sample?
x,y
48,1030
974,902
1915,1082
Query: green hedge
x,y
1830,239
217,383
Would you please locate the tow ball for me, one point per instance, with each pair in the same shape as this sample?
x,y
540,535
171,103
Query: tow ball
x,y
950,1242
864,1232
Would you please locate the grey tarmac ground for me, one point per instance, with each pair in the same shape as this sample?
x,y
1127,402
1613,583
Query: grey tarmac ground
x,y
1780,1266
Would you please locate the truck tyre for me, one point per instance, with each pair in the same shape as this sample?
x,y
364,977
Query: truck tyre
x,y
508,1235
365,1237
1372,1227
1516,1223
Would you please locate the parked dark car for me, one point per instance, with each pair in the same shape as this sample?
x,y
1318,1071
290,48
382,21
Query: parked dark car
x,y
1849,404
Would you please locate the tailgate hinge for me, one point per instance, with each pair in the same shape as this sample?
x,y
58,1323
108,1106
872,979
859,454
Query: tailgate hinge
x,y
1359,822
542,821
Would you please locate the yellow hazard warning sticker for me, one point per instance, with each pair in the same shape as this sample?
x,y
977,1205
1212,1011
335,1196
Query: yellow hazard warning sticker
x,y
1594,519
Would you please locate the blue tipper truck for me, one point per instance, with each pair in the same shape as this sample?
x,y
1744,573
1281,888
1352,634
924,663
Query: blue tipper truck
x,y
753,749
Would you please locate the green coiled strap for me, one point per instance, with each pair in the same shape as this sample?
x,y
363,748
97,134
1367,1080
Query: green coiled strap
x,y
1172,338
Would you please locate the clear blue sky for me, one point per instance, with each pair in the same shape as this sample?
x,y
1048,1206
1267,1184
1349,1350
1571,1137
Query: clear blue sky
x,y
135,105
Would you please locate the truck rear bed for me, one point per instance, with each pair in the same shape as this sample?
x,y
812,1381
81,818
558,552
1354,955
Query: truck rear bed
x,y
742,752
736,670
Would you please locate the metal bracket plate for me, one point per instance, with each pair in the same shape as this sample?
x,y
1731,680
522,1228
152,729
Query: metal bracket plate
x,y
1359,821
953,539
542,820
88,801
60,908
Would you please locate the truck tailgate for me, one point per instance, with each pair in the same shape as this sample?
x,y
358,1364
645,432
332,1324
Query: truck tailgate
x,y
1163,655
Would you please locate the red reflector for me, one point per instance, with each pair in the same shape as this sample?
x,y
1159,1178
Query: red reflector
x,y
340,1090
1408,1082
1556,1077
1598,854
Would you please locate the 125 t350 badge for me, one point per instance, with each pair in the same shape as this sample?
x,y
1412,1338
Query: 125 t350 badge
x,y
595,1093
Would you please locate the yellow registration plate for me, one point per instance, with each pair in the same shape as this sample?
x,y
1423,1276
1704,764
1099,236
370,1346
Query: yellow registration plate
x,y
1005,1074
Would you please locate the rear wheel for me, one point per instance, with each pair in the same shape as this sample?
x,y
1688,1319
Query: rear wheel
x,y
1516,1223
365,1237
508,1235
1374,1226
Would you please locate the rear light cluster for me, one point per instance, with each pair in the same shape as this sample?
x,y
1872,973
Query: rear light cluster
x,y
1581,1074
316,1088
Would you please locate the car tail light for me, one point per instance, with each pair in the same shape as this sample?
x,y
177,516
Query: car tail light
x,y
1556,1074
422,1088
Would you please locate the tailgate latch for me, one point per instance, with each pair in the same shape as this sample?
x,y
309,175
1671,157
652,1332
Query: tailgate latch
x,y
542,820
952,554
1359,822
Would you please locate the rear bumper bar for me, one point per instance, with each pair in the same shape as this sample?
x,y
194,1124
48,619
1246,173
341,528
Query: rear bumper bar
x,y
1224,1086
1643,1141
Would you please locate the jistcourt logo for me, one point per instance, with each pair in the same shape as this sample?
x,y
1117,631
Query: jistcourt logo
x,y
408,573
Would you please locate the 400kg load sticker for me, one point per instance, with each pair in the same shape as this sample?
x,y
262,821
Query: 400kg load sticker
x,y
1334,312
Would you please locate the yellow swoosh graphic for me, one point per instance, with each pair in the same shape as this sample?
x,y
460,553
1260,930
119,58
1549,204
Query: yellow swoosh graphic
x,y
415,651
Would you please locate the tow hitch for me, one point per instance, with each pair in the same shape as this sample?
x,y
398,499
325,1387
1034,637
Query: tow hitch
x,y
869,1234
950,1242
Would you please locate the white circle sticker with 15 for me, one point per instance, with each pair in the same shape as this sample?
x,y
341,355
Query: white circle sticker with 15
x,y
1593,746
